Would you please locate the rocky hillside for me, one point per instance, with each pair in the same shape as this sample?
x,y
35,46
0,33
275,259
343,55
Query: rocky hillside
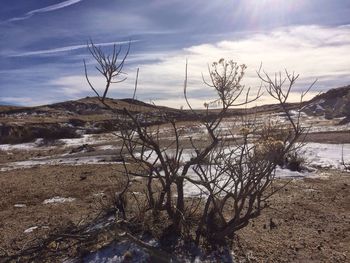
x,y
334,103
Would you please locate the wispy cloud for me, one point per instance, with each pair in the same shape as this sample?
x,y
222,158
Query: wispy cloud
x,y
67,48
43,10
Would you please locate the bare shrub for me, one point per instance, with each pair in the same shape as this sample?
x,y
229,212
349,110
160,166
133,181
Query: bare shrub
x,y
232,176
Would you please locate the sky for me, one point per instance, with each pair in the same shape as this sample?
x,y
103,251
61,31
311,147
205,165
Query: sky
x,y
43,45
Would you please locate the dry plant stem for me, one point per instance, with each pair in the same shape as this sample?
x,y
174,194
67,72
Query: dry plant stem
x,y
135,89
345,165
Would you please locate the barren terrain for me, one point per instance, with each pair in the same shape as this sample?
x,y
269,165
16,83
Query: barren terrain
x,y
312,215
48,185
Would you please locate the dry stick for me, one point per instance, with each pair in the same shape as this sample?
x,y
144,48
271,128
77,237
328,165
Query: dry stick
x,y
91,86
137,76
185,90
346,166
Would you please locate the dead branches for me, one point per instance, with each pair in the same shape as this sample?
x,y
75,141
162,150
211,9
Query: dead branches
x,y
233,175
231,171
109,66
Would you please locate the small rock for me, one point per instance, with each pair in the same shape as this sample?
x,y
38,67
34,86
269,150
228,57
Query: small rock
x,y
272,224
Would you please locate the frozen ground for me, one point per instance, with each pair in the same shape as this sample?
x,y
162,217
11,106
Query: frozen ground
x,y
316,155
127,251
116,253
62,160
96,139
326,155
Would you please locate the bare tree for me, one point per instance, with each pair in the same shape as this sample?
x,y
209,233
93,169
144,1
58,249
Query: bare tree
x,y
109,66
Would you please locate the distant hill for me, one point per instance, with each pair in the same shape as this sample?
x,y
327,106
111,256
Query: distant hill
x,y
85,106
89,115
4,108
72,118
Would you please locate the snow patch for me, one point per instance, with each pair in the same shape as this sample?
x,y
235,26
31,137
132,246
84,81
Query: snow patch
x,y
100,159
115,252
107,147
31,229
24,146
102,138
20,205
58,199
286,173
326,155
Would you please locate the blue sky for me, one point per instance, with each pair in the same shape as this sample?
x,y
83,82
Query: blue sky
x,y
42,45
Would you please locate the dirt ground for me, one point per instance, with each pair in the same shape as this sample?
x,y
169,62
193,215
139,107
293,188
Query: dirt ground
x,y
329,137
92,186
308,221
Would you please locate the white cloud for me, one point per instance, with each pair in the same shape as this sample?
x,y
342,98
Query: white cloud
x,y
313,51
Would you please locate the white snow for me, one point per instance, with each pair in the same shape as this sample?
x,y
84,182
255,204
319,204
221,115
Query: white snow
x,y
58,199
319,107
102,224
286,173
24,146
326,155
90,139
107,147
31,229
20,205
318,155
114,253
100,159
103,138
